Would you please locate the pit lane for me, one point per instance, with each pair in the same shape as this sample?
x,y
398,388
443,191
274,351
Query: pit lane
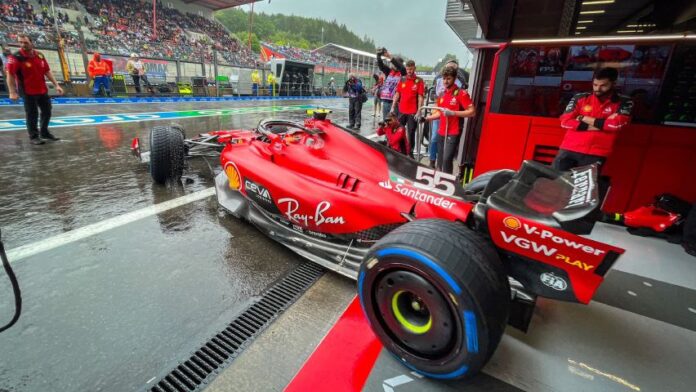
x,y
112,310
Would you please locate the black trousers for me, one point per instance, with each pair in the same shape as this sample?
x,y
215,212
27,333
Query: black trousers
x,y
566,160
446,149
409,122
689,239
32,104
354,111
136,81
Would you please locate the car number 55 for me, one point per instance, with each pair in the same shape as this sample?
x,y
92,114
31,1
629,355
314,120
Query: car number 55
x,y
435,181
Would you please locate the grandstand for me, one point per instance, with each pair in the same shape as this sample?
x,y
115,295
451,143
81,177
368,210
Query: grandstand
x,y
179,39
185,30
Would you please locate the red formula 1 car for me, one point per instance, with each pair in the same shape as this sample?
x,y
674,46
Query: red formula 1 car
x,y
441,268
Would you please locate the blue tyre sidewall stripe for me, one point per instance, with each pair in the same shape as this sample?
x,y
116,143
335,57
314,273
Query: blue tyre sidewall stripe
x,y
468,316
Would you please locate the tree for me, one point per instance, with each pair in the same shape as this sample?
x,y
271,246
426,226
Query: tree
x,y
293,30
445,59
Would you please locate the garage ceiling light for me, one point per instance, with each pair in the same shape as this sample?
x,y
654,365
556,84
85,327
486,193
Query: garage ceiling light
x,y
592,12
598,2
581,28
588,21
629,31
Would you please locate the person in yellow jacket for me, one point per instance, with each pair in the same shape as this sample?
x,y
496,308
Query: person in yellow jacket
x,y
100,72
271,81
255,81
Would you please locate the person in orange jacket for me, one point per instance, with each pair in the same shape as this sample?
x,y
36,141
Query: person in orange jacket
x,y
100,72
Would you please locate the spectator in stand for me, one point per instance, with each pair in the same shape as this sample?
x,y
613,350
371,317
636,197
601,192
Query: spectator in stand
x,y
409,99
392,76
26,73
455,103
379,81
395,133
99,72
136,68
353,89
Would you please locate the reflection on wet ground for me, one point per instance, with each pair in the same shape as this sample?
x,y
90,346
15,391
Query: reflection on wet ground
x,y
113,310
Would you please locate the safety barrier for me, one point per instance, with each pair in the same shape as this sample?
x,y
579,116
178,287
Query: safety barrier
x,y
82,101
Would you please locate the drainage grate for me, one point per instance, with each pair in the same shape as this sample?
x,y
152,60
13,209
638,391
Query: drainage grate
x,y
223,348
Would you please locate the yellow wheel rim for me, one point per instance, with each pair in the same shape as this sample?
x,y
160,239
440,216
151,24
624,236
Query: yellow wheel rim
x,y
413,328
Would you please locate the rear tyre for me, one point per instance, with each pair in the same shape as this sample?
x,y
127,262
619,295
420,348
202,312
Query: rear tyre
x,y
437,296
166,154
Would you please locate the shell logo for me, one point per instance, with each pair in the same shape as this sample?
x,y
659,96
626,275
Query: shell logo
x,y
403,85
587,108
512,223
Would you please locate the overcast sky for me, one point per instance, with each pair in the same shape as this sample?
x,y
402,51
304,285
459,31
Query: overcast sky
x,y
415,28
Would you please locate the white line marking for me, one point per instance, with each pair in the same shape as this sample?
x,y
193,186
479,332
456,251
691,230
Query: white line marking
x,y
32,249
647,284
692,310
631,293
151,380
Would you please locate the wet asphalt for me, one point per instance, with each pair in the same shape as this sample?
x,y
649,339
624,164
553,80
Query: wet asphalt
x,y
111,311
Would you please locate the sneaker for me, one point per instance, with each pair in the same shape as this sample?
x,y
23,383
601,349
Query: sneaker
x,y
49,136
36,141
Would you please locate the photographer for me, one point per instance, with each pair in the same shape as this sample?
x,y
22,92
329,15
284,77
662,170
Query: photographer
x,y
354,90
392,76
395,133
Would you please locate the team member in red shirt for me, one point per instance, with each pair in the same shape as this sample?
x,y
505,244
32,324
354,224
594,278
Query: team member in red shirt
x,y
395,133
409,98
592,122
455,104
26,69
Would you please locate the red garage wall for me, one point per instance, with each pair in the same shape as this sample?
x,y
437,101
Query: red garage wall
x,y
647,159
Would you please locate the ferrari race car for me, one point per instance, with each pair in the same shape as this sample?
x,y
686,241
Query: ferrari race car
x,y
441,268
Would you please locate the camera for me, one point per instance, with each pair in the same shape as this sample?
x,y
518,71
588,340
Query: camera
x,y
381,123
381,51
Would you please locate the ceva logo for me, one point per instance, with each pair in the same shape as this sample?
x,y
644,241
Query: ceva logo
x,y
512,223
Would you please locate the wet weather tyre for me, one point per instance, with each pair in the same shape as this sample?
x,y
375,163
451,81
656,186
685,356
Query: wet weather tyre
x,y
437,295
166,154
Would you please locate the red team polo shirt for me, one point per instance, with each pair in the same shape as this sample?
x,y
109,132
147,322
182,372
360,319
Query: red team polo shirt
x,y
29,72
454,98
409,89
612,114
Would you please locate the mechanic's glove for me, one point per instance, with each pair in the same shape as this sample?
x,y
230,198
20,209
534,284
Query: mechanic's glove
x,y
420,119
447,112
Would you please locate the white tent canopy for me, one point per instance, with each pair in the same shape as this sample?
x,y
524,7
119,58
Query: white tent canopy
x,y
358,60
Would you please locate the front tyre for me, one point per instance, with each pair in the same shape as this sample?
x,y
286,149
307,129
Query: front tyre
x,y
167,154
437,296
